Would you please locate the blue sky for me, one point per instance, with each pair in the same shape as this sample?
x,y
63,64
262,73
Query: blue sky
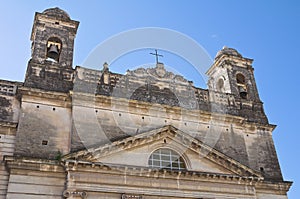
x,y
267,31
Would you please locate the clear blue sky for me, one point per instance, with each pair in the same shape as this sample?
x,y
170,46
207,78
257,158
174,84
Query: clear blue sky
x,y
267,31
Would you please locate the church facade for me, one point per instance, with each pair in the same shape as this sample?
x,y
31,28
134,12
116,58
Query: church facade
x,y
147,134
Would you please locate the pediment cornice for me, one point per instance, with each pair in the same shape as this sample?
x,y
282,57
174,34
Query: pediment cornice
x,y
177,136
98,167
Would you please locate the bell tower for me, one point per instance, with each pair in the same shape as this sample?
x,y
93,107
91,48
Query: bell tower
x,y
232,73
50,66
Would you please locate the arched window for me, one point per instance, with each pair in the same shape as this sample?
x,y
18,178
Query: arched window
x,y
166,159
53,49
240,79
241,83
220,85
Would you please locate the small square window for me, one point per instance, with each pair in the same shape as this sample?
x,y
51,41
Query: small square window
x,y
45,142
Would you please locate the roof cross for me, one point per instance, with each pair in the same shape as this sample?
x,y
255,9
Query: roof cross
x,y
156,55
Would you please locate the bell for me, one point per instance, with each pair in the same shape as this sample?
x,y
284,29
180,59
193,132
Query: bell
x,y
53,52
243,92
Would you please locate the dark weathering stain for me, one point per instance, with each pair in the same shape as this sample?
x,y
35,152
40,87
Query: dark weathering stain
x,y
4,102
153,94
4,106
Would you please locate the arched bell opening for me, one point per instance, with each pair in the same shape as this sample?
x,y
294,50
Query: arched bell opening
x,y
54,46
242,87
220,85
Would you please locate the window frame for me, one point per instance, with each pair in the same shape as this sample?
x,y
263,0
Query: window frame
x,y
166,158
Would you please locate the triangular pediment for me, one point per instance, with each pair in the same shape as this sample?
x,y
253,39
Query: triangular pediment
x,y
128,151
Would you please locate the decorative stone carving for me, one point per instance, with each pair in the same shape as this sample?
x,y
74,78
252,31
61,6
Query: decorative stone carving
x,y
8,88
159,72
130,196
70,193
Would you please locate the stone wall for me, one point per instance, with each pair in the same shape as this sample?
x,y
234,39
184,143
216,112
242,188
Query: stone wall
x,y
106,119
167,89
9,113
7,142
115,181
35,179
49,76
44,125
9,102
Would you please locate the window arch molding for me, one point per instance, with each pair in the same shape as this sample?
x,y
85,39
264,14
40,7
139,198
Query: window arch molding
x,y
62,39
178,150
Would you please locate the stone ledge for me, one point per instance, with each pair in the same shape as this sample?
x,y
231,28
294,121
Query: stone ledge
x,y
27,163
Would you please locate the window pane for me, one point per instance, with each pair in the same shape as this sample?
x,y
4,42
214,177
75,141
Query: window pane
x,y
175,165
165,158
175,158
165,164
165,151
182,166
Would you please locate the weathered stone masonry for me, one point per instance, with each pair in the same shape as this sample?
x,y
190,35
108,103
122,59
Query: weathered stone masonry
x,y
80,133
